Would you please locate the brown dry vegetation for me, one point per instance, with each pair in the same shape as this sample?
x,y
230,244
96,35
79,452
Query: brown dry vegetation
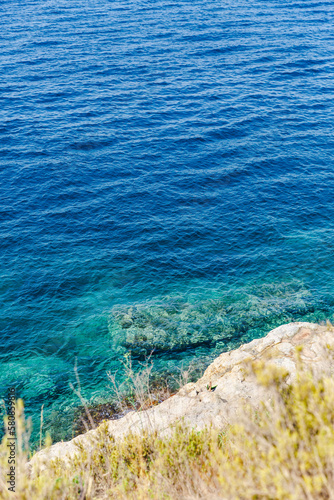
x,y
284,450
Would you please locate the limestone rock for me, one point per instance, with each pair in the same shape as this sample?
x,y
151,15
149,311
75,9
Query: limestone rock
x,y
219,396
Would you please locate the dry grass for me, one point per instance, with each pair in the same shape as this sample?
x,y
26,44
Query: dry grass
x,y
140,390
284,450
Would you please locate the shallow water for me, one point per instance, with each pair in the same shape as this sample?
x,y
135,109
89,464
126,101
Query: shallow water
x,y
166,185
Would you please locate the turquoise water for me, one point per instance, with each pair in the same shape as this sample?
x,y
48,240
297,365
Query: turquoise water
x,y
166,186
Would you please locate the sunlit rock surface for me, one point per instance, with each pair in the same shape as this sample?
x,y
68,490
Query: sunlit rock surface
x,y
219,396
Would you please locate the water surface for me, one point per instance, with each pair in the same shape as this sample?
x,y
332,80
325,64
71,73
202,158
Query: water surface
x,y
166,185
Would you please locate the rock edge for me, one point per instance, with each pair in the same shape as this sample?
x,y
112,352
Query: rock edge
x,y
219,396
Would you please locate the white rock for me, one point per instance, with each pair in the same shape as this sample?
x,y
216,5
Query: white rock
x,y
218,397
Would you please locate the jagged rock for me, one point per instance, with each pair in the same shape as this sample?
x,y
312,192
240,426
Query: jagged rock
x,y
219,396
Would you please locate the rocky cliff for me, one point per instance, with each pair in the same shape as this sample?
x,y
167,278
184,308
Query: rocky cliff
x,y
220,395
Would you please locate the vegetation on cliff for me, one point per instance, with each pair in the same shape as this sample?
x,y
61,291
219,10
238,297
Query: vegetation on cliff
x,y
284,450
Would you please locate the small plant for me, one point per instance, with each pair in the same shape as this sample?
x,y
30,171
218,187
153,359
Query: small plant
x,y
140,390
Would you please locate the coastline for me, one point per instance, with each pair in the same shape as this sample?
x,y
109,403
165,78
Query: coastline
x,y
219,396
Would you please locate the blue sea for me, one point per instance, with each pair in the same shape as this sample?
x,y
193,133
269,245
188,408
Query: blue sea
x,y
166,186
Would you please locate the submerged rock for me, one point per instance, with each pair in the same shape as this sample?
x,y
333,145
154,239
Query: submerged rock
x,y
219,396
177,323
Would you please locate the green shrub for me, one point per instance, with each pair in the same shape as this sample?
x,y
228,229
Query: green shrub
x,y
283,450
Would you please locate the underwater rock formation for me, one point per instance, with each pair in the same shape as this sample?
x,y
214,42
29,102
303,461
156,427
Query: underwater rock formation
x,y
222,320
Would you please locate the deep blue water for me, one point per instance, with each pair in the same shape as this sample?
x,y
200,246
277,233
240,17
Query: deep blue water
x,y
166,184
